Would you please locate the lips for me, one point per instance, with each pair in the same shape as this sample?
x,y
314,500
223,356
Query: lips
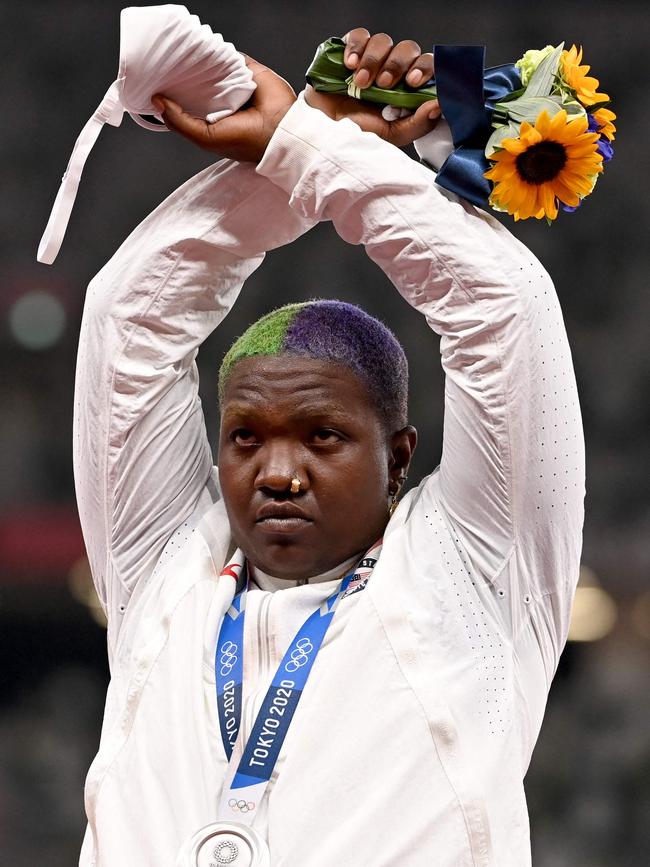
x,y
282,518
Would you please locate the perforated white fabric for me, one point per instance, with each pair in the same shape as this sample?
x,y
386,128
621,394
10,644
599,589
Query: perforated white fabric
x,y
424,713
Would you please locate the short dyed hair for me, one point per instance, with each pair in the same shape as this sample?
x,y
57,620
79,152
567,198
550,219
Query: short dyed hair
x,y
332,331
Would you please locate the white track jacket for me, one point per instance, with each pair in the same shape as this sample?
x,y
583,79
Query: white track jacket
x,y
417,725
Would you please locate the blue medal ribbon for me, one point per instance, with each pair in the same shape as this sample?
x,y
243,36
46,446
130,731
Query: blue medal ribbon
x,y
282,698
468,94
229,671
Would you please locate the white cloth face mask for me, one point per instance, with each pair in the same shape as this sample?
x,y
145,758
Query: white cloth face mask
x,y
163,49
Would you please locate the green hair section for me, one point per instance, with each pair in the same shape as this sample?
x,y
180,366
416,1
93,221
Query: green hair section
x,y
264,337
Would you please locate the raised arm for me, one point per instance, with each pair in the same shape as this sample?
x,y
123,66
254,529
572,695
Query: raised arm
x,y
511,477
142,459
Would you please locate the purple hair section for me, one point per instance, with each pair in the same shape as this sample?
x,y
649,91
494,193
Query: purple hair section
x,y
346,334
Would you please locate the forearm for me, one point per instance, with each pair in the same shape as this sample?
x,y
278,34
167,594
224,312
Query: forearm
x,y
141,453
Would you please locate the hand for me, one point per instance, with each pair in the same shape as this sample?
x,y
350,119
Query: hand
x,y
245,134
374,59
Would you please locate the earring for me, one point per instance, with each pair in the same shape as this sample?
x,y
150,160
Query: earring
x,y
394,494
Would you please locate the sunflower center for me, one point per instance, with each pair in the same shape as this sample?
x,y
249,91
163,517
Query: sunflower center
x,y
541,162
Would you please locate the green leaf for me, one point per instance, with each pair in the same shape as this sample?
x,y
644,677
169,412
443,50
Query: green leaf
x,y
401,96
592,108
541,81
515,94
573,108
327,71
508,130
526,108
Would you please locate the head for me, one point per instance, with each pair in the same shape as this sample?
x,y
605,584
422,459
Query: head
x,y
315,392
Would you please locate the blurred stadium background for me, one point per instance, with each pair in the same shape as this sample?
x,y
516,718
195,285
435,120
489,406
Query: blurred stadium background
x,y
589,782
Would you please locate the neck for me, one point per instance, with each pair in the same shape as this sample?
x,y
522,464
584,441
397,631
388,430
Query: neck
x,y
270,582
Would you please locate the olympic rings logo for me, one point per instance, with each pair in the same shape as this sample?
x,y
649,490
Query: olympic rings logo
x,y
241,806
228,657
299,655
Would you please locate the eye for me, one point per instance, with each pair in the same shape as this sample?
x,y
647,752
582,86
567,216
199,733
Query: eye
x,y
243,437
326,437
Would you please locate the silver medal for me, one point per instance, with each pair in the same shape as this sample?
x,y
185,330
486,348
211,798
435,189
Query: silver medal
x,y
224,844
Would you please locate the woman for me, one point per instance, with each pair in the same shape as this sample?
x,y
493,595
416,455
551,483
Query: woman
x,y
411,738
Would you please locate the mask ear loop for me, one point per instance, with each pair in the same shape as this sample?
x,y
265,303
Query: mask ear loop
x,y
110,111
147,124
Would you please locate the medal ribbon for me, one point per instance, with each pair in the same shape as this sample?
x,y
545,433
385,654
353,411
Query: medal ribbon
x,y
281,700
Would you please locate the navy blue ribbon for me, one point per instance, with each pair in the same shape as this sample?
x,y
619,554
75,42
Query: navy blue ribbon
x,y
468,93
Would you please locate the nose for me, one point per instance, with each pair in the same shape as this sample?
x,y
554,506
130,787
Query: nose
x,y
279,464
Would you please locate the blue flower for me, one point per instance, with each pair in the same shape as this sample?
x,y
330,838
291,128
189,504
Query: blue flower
x,y
605,149
594,126
604,146
571,209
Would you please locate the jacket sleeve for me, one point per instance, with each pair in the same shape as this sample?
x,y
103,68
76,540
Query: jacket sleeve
x,y
141,455
511,479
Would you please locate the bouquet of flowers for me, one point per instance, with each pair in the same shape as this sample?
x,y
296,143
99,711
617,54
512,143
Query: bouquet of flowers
x,y
536,142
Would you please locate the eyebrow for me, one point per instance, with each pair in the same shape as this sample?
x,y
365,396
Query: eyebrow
x,y
305,410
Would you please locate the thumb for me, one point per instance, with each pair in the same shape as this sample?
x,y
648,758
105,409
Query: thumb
x,y
407,129
193,128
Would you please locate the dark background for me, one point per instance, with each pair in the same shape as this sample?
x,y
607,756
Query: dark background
x,y
588,786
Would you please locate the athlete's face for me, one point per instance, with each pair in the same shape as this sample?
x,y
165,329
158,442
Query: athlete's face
x,y
285,418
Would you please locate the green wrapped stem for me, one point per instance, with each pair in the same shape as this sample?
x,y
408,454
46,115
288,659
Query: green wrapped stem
x,y
329,74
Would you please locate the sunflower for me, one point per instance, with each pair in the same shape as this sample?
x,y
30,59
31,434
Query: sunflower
x,y
555,159
604,118
575,75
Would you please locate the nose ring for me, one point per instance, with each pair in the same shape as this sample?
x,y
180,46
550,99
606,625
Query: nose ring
x,y
295,485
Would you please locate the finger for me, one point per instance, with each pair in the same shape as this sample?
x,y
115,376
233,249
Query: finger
x,y
421,71
374,55
268,83
236,136
260,71
355,43
406,130
397,64
272,91
193,128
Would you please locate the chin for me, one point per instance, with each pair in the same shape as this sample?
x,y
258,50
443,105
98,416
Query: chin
x,y
290,562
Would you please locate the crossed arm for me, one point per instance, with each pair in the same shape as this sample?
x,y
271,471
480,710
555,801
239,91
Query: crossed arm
x,y
511,479
511,476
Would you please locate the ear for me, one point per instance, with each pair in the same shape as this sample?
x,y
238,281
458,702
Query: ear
x,y
402,446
